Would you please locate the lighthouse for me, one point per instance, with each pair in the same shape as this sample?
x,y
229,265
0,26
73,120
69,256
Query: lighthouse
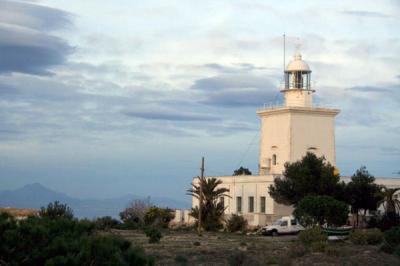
x,y
289,131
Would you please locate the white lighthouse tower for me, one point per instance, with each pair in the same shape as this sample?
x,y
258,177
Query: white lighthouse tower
x,y
290,131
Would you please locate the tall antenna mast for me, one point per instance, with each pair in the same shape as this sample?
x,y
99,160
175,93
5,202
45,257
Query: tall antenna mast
x,y
284,52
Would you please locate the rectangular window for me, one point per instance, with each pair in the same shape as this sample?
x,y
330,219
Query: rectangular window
x,y
251,204
238,204
293,222
262,204
222,201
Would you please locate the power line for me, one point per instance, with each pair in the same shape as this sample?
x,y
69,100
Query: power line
x,y
248,149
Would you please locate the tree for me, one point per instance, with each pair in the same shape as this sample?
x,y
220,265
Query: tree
x,y
212,209
158,217
390,204
319,210
133,215
242,171
362,192
56,210
309,176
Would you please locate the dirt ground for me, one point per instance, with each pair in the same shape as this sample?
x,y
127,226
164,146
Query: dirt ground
x,y
187,248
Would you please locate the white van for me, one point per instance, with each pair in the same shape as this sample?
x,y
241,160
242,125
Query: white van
x,y
284,225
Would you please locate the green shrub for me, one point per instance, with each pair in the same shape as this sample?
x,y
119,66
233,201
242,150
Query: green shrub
x,y
358,237
181,260
156,216
239,258
332,251
153,234
59,240
309,236
364,237
374,236
55,210
297,250
106,223
318,246
236,223
391,243
392,236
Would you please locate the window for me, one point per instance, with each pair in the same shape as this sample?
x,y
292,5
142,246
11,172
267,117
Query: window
x,y
222,201
284,223
238,204
251,204
262,204
293,222
274,159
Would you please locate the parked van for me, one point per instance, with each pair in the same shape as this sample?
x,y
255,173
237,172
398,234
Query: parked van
x,y
284,225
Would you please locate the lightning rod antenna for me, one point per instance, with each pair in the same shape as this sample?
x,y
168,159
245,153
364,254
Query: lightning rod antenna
x,y
284,52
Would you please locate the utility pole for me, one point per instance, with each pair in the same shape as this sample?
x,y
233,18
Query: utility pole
x,y
201,196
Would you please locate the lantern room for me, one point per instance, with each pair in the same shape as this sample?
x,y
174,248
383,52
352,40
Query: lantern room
x,y
298,74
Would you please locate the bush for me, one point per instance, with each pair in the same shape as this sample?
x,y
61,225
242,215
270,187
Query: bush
x,y
358,238
59,240
332,251
236,223
153,234
391,242
55,210
318,246
309,236
382,222
239,258
106,223
156,216
297,251
364,237
318,210
133,215
374,236
181,260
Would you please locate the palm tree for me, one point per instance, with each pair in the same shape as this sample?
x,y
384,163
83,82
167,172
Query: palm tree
x,y
212,208
389,202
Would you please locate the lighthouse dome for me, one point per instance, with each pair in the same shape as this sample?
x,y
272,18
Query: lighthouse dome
x,y
297,64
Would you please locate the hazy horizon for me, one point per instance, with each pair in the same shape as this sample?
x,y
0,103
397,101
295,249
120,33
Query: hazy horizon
x,y
100,99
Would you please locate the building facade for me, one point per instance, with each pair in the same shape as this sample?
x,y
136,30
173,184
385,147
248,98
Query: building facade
x,y
287,133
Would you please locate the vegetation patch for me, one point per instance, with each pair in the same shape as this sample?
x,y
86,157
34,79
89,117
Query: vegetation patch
x,y
236,223
309,236
366,237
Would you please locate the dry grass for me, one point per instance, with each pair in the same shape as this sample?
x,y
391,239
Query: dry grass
x,y
186,248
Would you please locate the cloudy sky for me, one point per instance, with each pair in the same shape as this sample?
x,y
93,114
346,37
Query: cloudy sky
x,y
104,98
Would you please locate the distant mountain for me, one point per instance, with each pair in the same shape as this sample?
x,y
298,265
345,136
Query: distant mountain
x,y
36,195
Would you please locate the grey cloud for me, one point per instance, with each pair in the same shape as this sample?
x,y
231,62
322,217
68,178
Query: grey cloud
x,y
237,68
171,116
237,90
391,91
231,81
361,13
25,46
34,16
243,97
368,89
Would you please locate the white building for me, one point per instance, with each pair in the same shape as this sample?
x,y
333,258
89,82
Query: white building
x,y
288,132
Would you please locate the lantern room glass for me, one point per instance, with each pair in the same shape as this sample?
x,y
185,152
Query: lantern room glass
x,y
298,80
